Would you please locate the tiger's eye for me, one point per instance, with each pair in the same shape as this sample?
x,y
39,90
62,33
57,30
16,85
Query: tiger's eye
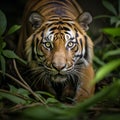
x,y
70,44
47,44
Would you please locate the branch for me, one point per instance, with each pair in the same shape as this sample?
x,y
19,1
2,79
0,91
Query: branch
x,y
18,73
24,86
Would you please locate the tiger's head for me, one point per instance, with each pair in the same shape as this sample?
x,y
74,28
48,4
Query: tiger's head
x,y
58,47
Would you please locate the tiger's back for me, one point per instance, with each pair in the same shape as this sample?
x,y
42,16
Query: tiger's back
x,y
59,52
48,8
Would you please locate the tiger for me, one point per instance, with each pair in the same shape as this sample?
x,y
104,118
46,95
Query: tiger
x,y
54,42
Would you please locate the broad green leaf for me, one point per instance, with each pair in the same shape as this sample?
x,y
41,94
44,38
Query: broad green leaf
x,y
112,31
114,19
3,64
38,113
46,113
52,100
21,91
13,89
3,45
117,24
13,98
105,70
111,53
3,23
13,29
109,6
11,54
98,61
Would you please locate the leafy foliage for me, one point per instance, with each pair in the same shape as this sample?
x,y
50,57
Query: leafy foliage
x,y
114,17
4,53
3,23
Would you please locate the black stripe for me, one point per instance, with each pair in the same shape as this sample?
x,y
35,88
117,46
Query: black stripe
x,y
51,33
37,42
81,44
80,56
40,55
60,22
81,48
69,24
76,34
54,28
67,32
72,39
86,48
41,30
33,54
42,34
49,25
65,28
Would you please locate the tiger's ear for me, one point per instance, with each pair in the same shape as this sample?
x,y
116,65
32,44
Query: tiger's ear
x,y
35,19
85,19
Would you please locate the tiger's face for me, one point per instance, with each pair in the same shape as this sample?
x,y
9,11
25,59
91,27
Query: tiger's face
x,y
58,49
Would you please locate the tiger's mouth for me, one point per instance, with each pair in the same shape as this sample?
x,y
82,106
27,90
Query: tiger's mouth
x,y
59,77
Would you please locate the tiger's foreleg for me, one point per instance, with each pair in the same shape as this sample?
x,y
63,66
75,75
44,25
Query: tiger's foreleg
x,y
85,89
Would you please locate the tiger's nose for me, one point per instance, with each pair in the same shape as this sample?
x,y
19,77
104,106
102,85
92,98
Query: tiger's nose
x,y
58,66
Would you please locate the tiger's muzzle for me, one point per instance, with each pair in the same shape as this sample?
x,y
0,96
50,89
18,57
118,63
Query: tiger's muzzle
x,y
59,68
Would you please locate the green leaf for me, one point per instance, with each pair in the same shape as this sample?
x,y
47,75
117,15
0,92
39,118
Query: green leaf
x,y
46,113
117,24
3,22
105,70
13,29
52,100
13,98
109,6
11,54
114,19
111,53
13,89
112,31
99,61
3,64
21,91
45,93
38,113
3,45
